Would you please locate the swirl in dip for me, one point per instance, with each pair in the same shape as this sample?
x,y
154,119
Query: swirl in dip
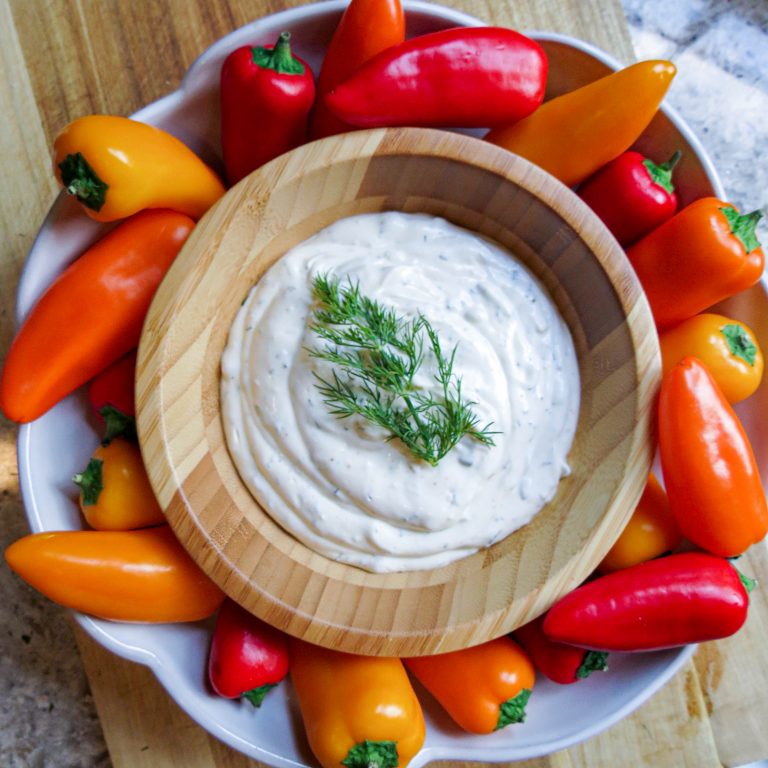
x,y
338,485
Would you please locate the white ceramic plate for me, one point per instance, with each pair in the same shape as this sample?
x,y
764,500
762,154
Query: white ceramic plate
x,y
58,444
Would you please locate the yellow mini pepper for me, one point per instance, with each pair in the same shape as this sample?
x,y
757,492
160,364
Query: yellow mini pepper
x,y
115,494
357,710
573,135
727,347
116,167
651,531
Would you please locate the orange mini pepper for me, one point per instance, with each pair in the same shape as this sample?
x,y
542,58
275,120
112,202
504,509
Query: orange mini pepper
x,y
115,494
573,135
116,167
710,473
651,531
142,576
727,347
702,255
91,315
359,710
367,27
483,688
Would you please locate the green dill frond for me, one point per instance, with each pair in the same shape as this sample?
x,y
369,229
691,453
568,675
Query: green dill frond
x,y
376,355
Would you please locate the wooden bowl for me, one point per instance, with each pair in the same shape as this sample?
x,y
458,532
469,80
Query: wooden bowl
x,y
474,185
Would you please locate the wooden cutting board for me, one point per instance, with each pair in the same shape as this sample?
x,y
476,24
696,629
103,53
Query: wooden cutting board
x,y
60,59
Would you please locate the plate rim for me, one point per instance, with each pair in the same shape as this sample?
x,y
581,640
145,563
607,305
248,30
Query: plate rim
x,y
98,629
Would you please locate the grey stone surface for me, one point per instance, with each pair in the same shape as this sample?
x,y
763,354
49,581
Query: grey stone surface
x,y
47,718
721,89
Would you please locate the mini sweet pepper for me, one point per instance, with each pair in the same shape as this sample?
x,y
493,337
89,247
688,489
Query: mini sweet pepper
x,y
632,195
483,688
357,710
248,657
703,254
573,135
115,167
266,96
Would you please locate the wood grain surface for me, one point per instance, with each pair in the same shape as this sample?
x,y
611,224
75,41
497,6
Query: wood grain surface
x,y
236,541
60,59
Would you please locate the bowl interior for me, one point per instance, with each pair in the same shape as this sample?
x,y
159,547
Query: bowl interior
x,y
475,186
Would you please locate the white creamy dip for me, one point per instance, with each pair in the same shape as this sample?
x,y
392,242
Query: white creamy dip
x,y
337,484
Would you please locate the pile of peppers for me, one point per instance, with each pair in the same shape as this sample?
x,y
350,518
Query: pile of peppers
x,y
649,592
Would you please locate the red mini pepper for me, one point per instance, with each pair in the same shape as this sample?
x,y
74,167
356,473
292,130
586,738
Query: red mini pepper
x,y
559,662
632,195
473,77
248,657
266,96
663,603
112,394
703,254
712,479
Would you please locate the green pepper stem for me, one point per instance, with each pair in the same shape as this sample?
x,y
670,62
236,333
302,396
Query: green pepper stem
x,y
372,754
662,174
739,343
117,424
593,661
513,710
82,182
256,695
279,58
743,226
90,481
749,584
673,161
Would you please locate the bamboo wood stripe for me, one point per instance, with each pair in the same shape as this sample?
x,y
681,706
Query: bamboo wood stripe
x,y
274,576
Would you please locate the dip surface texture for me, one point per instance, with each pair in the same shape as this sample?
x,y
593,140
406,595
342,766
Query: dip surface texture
x,y
337,484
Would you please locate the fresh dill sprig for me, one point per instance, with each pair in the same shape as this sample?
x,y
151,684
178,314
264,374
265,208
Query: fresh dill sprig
x,y
376,355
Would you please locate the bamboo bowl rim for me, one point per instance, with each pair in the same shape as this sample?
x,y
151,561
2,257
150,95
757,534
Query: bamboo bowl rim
x,y
236,543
